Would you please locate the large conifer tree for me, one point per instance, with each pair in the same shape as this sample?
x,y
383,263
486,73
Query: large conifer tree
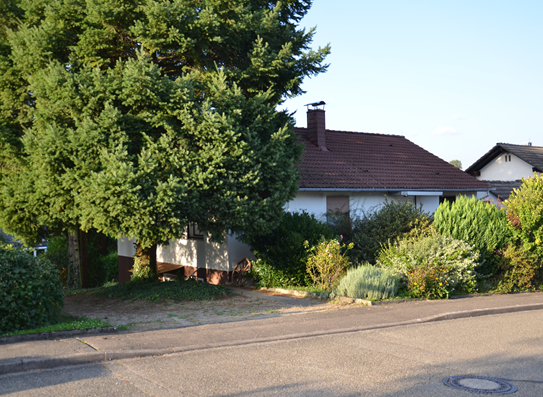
x,y
139,117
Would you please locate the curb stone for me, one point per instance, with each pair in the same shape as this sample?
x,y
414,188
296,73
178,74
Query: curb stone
x,y
57,334
37,363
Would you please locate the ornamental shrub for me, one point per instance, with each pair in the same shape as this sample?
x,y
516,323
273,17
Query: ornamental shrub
x,y
283,249
266,276
368,282
525,214
30,290
432,266
477,223
377,228
327,262
519,270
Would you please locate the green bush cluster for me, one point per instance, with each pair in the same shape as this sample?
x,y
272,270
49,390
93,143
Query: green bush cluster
x,y
283,251
525,214
432,266
519,269
377,228
478,223
368,282
326,262
30,290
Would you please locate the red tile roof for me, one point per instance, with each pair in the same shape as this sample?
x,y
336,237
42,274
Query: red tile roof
x,y
359,160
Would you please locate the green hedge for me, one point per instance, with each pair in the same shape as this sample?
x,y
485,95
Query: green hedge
x,y
30,290
477,223
283,250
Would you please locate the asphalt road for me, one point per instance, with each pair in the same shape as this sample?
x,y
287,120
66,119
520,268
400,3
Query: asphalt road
x,y
400,361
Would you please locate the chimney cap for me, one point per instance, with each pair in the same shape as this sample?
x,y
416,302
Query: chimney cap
x,y
316,105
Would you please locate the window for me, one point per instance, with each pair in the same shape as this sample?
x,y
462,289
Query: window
x,y
194,233
336,205
449,199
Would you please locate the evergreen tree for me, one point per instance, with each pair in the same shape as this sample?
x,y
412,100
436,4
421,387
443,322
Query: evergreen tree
x,y
137,118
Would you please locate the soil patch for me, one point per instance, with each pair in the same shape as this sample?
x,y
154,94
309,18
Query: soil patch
x,y
149,315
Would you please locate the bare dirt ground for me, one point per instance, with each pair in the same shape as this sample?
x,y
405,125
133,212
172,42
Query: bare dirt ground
x,y
147,315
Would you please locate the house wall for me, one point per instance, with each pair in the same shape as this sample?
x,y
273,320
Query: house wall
x,y
501,170
214,262
359,202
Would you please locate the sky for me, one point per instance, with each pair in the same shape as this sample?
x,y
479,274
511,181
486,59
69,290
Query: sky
x,y
454,77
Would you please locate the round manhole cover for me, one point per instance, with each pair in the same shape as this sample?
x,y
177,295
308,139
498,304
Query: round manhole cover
x,y
480,384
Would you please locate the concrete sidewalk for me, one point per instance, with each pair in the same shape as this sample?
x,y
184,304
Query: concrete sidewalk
x,y
23,356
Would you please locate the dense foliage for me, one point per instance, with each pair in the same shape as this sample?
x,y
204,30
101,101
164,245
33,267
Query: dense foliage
x,y
327,262
283,248
30,290
519,270
368,282
477,223
178,290
136,119
525,214
376,228
433,265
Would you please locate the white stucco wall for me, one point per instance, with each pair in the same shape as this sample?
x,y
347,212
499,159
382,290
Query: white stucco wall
x,y
359,202
237,251
126,247
501,170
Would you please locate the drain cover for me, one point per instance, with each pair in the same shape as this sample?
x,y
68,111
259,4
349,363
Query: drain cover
x,y
480,384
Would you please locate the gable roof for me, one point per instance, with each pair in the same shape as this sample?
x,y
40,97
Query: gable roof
x,y
365,161
503,188
533,155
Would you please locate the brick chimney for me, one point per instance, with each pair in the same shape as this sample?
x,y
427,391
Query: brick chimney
x,y
316,127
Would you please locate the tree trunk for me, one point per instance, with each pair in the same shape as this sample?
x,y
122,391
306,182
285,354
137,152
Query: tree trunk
x,y
145,267
74,274
77,272
83,264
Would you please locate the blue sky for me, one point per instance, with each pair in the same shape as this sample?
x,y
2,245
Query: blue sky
x,y
455,77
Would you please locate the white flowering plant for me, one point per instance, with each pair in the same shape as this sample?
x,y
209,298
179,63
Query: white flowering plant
x,y
432,266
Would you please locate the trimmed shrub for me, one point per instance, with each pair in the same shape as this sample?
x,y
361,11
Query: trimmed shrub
x,y
30,291
432,266
525,213
477,223
326,262
392,220
368,282
519,270
283,249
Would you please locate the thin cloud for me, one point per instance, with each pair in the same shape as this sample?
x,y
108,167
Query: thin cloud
x,y
458,117
441,130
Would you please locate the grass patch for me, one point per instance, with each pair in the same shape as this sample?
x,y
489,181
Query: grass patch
x,y
179,290
65,323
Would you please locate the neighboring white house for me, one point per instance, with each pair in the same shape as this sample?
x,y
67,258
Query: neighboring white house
x,y
504,166
346,171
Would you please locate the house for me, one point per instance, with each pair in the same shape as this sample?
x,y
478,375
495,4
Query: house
x,y
340,170
504,166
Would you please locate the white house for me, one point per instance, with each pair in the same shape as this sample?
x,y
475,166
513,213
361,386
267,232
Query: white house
x,y
504,166
340,170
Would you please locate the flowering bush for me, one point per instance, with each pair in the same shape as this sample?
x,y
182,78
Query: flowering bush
x,y
432,266
326,262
